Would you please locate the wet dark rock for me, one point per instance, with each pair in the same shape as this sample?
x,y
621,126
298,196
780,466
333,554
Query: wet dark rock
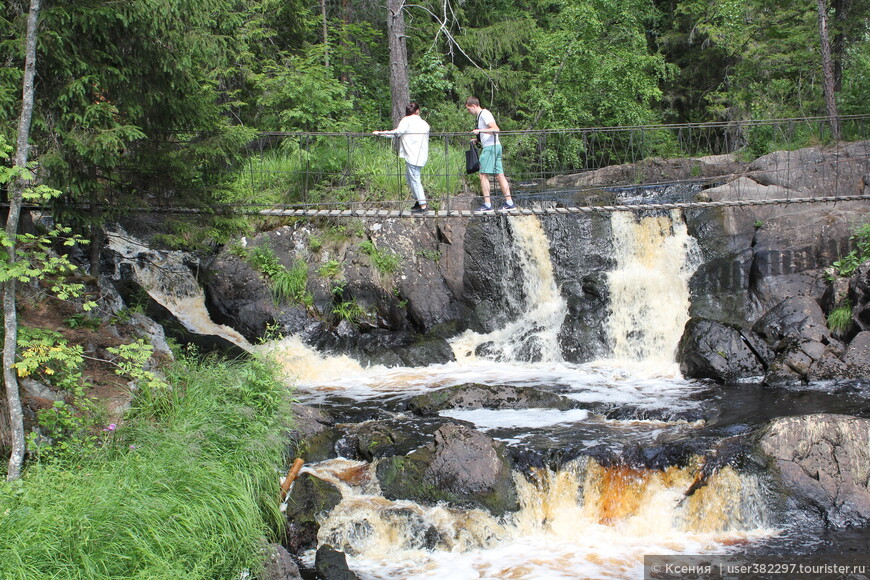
x,y
804,349
461,467
859,296
477,396
280,565
400,349
582,251
237,295
387,436
657,457
857,356
422,534
633,413
713,350
309,498
332,564
433,268
313,436
824,463
583,336
487,263
528,459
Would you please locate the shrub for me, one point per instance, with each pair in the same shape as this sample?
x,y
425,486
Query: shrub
x,y
847,265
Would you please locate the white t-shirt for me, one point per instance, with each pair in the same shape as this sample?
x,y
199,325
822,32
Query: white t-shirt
x,y
413,133
483,121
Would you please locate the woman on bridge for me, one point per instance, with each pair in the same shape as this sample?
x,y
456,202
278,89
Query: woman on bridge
x,y
413,134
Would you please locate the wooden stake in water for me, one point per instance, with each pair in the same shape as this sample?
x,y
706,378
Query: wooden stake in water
x,y
291,475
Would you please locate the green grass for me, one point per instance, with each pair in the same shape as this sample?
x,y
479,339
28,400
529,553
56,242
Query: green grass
x,y
840,318
286,285
191,495
290,285
330,171
384,261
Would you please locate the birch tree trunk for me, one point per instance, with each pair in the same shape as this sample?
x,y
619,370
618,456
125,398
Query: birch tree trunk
x,y
828,70
399,83
10,313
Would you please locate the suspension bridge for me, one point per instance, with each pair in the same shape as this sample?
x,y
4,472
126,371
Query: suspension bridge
x,y
552,172
567,171
558,210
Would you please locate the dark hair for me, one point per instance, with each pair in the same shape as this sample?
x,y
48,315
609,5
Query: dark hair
x,y
472,101
411,108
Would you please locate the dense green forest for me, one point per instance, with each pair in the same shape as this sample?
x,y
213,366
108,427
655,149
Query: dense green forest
x,y
150,99
150,103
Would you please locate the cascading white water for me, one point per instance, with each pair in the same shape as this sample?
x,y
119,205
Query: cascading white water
x,y
170,283
543,305
583,521
649,291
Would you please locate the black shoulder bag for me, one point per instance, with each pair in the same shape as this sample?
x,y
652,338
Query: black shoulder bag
x,y
472,159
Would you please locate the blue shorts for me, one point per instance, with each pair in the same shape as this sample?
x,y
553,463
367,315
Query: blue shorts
x,y
490,160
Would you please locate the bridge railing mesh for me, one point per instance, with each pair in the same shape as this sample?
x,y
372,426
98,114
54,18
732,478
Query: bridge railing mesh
x,y
354,170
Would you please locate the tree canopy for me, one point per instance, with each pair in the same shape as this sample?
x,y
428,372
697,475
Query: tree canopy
x,y
142,101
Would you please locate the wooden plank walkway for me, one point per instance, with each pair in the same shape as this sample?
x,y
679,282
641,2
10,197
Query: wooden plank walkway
x,y
539,211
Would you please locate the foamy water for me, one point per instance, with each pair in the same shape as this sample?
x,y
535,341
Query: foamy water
x,y
583,521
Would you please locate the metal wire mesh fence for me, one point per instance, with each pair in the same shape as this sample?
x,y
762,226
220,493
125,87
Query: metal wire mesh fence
x,y
356,170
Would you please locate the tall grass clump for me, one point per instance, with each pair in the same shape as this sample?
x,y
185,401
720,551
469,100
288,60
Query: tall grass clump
x,y
840,318
285,284
190,492
384,261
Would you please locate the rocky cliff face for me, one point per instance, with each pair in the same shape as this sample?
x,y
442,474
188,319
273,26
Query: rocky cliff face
x,y
758,299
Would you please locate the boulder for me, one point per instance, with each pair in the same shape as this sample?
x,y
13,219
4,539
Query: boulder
x,y
477,396
237,296
309,499
582,254
332,564
461,467
313,436
857,357
795,329
824,463
373,439
712,350
280,564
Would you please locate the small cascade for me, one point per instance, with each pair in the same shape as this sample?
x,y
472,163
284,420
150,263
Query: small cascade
x,y
534,335
170,283
303,363
649,291
583,520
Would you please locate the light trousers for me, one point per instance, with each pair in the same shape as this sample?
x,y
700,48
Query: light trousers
x,y
412,174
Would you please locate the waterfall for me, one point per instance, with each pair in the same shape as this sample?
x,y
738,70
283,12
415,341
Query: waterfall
x,y
171,284
649,290
535,334
584,520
